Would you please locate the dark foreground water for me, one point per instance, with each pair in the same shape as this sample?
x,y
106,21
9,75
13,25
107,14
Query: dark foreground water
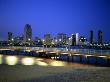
x,y
26,60
32,69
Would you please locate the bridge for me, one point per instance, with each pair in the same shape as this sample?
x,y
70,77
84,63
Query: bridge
x,y
56,53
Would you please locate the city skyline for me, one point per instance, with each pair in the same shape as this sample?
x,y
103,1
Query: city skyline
x,y
28,34
55,16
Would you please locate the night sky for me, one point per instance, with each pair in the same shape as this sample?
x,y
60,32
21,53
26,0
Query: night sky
x,y
55,16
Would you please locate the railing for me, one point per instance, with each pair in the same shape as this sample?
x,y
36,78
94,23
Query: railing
x,y
83,51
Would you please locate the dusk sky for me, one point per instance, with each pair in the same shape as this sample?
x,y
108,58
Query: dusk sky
x,y
55,16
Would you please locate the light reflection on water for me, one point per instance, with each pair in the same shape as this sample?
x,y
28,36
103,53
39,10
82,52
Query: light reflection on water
x,y
41,63
14,60
28,61
25,60
57,63
0,59
11,60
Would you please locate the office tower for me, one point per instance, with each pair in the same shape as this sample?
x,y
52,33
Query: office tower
x,y
99,37
54,40
61,39
82,40
91,37
47,39
18,39
10,36
73,40
77,38
37,41
27,33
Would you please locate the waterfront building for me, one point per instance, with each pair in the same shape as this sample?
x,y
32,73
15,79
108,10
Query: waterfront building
x,y
18,40
99,37
10,36
27,33
37,41
75,39
47,39
82,40
61,39
91,37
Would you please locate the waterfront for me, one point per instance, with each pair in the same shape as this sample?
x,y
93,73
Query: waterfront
x,y
85,56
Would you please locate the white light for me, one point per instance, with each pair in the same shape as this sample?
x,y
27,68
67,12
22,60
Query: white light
x,y
57,63
0,59
39,59
11,60
28,50
102,56
59,39
55,40
40,63
12,39
43,40
28,61
29,39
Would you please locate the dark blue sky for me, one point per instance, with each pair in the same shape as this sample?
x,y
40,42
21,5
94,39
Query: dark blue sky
x,y
54,16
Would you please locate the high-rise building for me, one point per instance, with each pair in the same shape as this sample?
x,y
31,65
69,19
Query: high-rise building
x,y
99,37
18,39
91,37
82,40
77,38
27,33
47,39
73,39
61,39
10,36
37,41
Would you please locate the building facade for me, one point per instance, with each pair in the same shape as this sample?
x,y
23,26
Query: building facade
x,y
47,39
99,37
91,37
27,33
61,39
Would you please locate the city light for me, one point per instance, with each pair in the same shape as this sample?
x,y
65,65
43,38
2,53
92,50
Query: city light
x,y
59,39
11,60
0,59
57,63
28,61
29,39
12,39
41,63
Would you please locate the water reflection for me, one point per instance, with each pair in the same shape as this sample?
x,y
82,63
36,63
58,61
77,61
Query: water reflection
x,y
11,60
25,60
0,59
57,63
41,63
28,61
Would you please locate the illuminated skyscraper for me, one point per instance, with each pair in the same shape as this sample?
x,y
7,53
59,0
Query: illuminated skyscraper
x,y
73,40
47,39
61,38
10,36
99,37
91,37
27,33
77,38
